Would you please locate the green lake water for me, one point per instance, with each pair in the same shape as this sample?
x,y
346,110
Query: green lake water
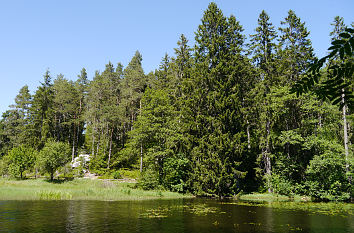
x,y
172,216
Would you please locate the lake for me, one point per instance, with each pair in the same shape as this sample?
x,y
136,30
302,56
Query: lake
x,y
183,215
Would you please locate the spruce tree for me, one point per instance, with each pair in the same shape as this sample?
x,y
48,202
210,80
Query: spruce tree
x,y
42,111
263,47
296,50
338,27
295,54
17,119
182,63
219,81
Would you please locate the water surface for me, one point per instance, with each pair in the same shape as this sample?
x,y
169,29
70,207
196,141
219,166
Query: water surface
x,y
172,216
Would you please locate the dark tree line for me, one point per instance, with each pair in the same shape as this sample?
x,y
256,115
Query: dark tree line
x,y
215,118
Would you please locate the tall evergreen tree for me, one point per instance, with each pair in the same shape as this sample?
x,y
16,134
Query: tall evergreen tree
x,y
219,82
133,86
263,47
17,119
338,27
182,63
66,102
5,143
81,86
42,111
296,51
98,95
163,74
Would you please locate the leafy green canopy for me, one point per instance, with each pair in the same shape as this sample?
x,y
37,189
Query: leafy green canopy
x,y
53,156
20,159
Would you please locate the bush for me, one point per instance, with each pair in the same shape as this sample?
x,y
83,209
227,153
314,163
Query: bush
x,y
106,175
326,178
66,171
176,170
132,174
281,185
67,176
149,180
3,166
78,172
116,175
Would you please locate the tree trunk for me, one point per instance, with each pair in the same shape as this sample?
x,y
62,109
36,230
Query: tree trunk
x,y
141,146
100,140
93,142
73,149
51,176
131,121
345,132
267,162
248,135
141,158
110,148
107,134
77,134
78,123
93,145
98,146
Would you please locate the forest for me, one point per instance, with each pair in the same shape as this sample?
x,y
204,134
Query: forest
x,y
215,119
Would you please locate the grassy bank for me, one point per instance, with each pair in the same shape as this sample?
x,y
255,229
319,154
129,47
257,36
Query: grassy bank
x,y
78,189
304,203
267,197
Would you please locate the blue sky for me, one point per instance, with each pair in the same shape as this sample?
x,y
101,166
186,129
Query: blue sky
x,y
64,36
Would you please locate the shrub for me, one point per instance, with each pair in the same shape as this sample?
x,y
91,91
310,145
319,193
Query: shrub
x,y
3,166
281,185
67,171
116,175
149,180
175,170
326,178
106,175
133,174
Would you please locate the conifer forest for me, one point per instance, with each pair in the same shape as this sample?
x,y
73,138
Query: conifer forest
x,y
230,113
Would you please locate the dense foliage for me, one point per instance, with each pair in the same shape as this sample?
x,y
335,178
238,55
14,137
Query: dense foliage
x,y
216,118
53,156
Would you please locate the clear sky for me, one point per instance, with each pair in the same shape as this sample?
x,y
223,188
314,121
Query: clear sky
x,y
64,36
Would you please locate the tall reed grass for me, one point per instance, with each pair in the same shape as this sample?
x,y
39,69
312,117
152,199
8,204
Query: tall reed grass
x,y
78,189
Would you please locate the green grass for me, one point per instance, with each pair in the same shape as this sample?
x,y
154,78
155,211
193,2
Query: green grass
x,y
78,189
267,197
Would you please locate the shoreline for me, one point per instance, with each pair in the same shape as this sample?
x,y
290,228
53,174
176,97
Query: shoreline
x,y
115,190
80,189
